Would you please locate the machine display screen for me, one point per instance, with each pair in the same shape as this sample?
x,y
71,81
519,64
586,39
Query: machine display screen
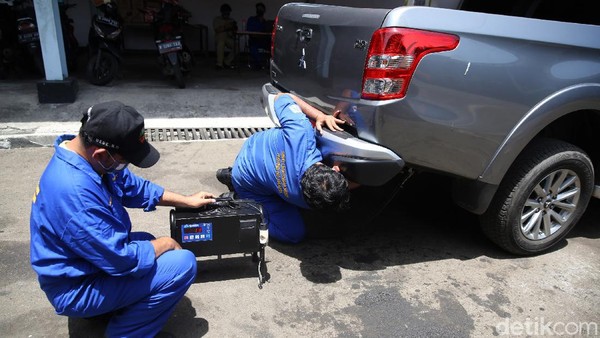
x,y
192,230
196,232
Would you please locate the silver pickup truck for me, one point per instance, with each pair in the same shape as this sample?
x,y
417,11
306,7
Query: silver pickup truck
x,y
506,103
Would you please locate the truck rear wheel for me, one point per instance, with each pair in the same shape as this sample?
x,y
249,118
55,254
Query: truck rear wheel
x,y
542,197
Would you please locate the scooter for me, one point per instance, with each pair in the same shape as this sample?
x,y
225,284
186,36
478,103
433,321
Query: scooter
x,y
105,41
27,34
7,39
175,58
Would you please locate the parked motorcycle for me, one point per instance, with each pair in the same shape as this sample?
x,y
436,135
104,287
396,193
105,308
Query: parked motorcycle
x,y
175,58
105,41
27,34
8,41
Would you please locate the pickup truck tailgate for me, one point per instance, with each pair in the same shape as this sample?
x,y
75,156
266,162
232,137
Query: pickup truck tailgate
x,y
312,46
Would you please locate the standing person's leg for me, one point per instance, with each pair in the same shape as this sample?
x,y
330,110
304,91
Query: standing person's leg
x,y
254,53
263,58
220,40
229,42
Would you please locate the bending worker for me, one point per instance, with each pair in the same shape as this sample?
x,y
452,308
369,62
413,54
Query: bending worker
x,y
88,260
281,169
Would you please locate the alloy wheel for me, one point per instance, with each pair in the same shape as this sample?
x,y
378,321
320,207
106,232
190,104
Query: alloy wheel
x,y
550,205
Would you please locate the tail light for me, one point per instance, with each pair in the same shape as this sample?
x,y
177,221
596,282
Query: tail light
x,y
26,25
393,57
166,28
273,37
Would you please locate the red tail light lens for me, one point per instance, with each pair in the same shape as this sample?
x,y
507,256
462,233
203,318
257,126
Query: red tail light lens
x,y
273,36
393,57
23,26
165,28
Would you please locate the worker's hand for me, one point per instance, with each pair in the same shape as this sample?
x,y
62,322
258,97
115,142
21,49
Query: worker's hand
x,y
200,199
196,200
330,121
164,244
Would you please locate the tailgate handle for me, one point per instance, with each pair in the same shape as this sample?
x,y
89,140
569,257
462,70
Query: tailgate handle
x,y
304,34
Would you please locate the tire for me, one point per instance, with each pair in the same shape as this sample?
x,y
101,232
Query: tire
x,y
187,60
106,70
525,215
178,76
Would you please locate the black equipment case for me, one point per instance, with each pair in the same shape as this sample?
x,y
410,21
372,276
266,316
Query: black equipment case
x,y
228,226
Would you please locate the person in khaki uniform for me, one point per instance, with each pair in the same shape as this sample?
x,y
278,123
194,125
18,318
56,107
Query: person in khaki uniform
x,y
225,29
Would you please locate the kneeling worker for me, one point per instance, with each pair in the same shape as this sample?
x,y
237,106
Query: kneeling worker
x,y
87,259
281,169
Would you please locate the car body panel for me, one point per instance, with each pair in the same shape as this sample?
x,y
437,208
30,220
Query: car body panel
x,y
468,112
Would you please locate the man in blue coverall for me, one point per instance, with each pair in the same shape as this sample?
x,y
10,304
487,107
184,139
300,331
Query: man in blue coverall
x,y
258,24
88,260
281,169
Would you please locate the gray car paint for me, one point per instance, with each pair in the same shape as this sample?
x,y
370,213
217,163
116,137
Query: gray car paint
x,y
468,112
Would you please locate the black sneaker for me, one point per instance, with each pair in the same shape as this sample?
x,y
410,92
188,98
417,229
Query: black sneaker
x,y
224,176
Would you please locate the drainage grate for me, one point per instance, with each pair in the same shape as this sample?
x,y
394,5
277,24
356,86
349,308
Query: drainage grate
x,y
198,134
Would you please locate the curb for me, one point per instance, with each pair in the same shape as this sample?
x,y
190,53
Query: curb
x,y
42,134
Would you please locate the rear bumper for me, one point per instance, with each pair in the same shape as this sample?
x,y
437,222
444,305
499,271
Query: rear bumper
x,y
361,162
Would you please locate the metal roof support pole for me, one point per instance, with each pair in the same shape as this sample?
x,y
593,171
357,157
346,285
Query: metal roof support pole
x,y
57,88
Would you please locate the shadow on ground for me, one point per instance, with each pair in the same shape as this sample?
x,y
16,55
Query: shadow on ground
x,y
420,224
182,324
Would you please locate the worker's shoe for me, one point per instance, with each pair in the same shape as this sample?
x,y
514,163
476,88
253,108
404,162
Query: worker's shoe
x,y
224,176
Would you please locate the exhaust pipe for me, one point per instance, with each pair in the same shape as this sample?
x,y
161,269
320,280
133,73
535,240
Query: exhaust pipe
x,y
597,191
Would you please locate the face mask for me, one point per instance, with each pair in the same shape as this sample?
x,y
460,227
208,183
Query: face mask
x,y
119,166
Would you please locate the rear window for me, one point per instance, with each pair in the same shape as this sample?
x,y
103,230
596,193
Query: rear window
x,y
576,11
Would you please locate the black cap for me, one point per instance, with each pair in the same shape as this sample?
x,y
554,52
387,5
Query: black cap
x,y
119,128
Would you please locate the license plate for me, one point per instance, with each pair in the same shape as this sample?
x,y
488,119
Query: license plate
x,y
169,46
108,21
29,37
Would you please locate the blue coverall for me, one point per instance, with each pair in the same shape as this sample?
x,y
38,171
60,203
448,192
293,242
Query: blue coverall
x,y
255,43
87,259
270,165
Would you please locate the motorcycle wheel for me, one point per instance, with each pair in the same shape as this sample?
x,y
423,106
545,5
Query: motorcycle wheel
x,y
179,76
104,72
187,60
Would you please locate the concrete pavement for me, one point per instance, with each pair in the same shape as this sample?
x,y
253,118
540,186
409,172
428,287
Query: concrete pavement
x,y
209,94
412,272
420,269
